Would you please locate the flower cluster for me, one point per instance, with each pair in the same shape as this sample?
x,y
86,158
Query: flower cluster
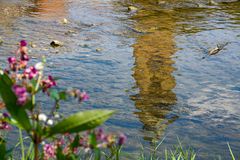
x,y
81,96
48,83
43,117
3,124
21,93
49,151
12,61
21,83
30,72
90,140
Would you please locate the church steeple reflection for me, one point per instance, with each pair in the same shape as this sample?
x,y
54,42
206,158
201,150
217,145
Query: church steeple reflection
x,y
153,70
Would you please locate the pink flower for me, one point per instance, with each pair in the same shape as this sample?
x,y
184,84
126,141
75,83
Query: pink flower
x,y
12,63
30,72
100,135
21,93
122,139
23,43
5,126
24,57
12,60
6,115
49,151
48,83
83,96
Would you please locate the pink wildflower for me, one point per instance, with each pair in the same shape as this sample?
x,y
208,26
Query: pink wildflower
x,y
23,43
12,63
49,151
48,83
12,60
5,126
21,93
83,96
30,72
122,139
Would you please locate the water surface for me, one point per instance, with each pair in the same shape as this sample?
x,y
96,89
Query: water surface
x,y
146,64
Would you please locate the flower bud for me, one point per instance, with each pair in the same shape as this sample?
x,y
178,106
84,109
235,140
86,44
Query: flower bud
x,y
42,117
39,66
50,122
122,139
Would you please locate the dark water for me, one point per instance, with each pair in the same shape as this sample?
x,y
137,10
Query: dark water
x,y
147,65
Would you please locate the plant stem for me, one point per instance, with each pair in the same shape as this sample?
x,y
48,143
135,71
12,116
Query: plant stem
x,y
36,147
35,136
35,151
22,145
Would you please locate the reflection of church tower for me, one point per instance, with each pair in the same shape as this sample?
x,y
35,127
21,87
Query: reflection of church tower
x,y
47,9
153,70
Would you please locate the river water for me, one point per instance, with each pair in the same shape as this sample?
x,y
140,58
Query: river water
x,y
147,64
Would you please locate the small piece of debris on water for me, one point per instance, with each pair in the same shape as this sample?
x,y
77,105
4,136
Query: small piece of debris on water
x,y
64,21
132,8
56,43
1,41
217,49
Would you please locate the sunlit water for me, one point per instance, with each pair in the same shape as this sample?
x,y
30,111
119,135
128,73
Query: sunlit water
x,y
148,65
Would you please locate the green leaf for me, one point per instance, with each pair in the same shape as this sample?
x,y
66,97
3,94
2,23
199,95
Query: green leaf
x,y
62,95
231,153
54,94
75,142
2,149
10,100
60,155
92,140
81,121
13,122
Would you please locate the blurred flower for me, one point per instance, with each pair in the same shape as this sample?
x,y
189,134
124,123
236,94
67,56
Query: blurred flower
x,y
12,63
43,143
100,134
4,125
39,66
24,57
24,53
83,96
66,150
122,139
50,122
12,60
21,93
23,43
60,141
49,151
109,139
56,116
6,115
30,72
48,83
42,117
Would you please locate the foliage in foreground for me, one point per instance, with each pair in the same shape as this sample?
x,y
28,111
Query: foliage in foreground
x,y
52,136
